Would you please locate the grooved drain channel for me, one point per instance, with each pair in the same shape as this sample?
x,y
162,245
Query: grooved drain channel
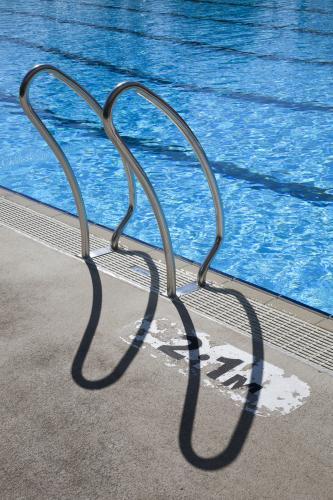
x,y
302,339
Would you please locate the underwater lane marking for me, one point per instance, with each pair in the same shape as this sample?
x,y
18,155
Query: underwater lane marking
x,y
174,40
230,371
135,73
175,14
263,6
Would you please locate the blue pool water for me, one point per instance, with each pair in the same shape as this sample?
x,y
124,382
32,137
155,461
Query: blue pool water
x,y
254,81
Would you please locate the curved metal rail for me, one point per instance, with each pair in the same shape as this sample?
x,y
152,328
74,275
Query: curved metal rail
x,y
143,179
134,164
131,166
60,155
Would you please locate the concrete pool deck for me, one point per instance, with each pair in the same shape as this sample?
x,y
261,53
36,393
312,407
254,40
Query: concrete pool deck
x,y
101,398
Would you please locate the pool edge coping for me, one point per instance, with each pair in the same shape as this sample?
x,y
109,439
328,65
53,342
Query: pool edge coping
x,y
275,301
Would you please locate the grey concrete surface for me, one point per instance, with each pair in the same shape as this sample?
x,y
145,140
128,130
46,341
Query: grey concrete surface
x,y
85,415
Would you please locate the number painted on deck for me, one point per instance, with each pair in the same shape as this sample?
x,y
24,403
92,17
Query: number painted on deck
x,y
225,368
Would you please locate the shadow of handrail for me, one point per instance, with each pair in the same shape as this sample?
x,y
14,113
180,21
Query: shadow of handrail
x,y
96,307
185,437
243,426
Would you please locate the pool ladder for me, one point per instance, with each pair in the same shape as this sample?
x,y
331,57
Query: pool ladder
x,y
131,165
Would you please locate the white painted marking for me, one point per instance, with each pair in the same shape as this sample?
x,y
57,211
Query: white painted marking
x,y
278,393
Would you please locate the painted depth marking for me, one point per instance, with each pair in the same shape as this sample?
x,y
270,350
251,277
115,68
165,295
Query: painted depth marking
x,y
225,368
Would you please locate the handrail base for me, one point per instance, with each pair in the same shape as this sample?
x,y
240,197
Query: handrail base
x,y
100,251
188,288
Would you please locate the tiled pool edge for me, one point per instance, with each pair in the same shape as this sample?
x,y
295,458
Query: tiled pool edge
x,y
302,312
278,301
295,330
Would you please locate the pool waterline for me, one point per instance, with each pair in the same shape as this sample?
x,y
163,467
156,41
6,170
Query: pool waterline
x,y
177,256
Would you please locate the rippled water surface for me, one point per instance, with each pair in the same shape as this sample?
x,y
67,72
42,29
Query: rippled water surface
x,y
254,81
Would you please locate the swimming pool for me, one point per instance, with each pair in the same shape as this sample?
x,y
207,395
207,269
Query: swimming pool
x,y
254,82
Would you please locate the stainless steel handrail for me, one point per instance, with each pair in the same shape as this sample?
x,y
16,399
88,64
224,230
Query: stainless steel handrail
x,y
60,155
134,164
131,166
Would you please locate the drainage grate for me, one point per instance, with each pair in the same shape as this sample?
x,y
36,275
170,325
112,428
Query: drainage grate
x,y
302,339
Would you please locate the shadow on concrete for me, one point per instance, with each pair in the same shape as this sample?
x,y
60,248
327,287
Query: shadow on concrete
x,y
243,426
96,307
